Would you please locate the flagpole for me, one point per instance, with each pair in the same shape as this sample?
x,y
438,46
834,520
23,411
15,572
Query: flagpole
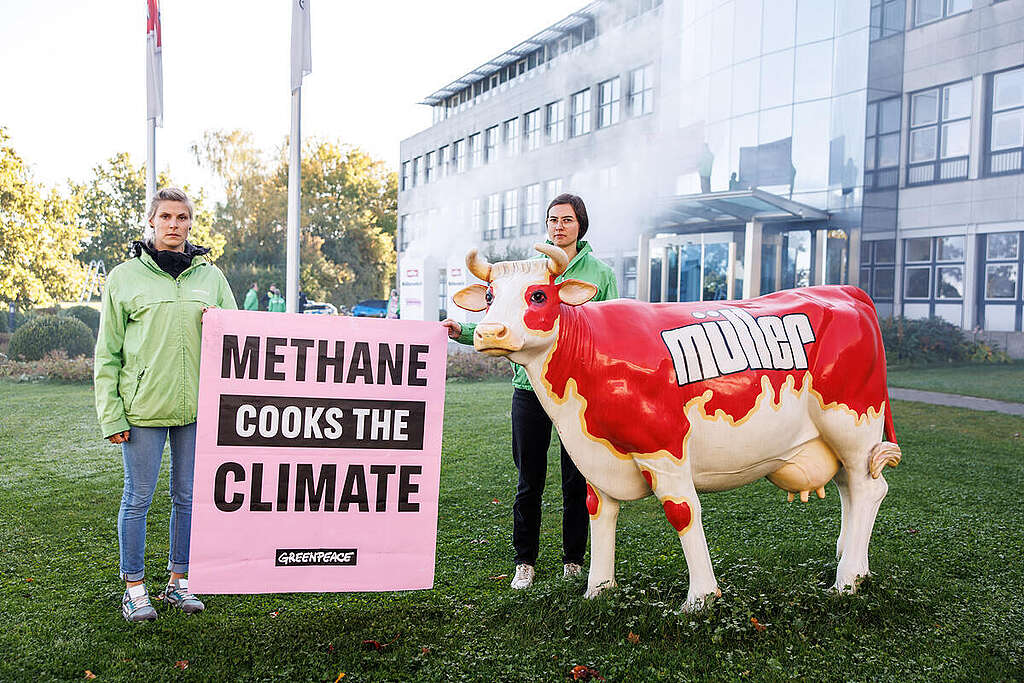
x,y
150,161
294,204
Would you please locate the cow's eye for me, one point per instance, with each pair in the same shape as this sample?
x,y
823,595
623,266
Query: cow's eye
x,y
538,297
488,297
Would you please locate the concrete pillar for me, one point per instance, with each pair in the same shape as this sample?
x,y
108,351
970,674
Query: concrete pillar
x,y
853,262
971,281
820,253
752,260
643,267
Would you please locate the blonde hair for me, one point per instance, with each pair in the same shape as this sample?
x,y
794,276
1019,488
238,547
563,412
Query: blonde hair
x,y
166,194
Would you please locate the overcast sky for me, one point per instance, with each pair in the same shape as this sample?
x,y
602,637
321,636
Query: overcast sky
x,y
72,72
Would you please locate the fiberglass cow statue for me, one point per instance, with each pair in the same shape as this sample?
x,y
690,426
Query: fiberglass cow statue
x,y
676,398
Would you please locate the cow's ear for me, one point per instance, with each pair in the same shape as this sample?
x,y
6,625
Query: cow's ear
x,y
471,298
576,292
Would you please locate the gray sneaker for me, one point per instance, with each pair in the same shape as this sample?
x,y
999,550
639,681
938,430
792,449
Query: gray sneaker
x,y
176,594
135,604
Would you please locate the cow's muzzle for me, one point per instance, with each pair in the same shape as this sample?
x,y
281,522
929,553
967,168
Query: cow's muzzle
x,y
495,339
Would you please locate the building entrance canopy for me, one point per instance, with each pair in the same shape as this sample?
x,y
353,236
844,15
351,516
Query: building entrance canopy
x,y
713,210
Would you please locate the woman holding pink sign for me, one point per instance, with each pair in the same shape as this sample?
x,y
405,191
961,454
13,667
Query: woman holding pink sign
x,y
146,381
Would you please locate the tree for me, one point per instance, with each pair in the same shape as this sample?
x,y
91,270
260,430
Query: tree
x,y
38,237
349,205
112,211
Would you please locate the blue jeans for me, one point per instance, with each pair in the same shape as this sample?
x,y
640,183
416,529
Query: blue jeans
x,y
142,455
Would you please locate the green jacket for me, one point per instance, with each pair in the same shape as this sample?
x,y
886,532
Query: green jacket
x,y
276,303
252,300
146,371
585,266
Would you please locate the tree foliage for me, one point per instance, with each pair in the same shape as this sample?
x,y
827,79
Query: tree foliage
x,y
112,211
348,218
38,237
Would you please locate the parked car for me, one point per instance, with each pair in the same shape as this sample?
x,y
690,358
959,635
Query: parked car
x,y
371,308
318,308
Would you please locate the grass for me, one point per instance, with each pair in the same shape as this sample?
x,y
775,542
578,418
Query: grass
x,y
1001,382
944,602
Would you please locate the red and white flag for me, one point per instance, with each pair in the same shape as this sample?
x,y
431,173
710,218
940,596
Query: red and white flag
x,y
302,58
154,64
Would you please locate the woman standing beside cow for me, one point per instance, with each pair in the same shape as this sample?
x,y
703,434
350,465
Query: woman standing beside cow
x,y
567,224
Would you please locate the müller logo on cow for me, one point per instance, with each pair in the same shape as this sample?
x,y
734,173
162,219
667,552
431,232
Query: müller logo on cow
x,y
735,341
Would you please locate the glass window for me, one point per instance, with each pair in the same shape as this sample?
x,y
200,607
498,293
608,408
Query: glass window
x,y
882,144
533,129
917,283
459,149
510,217
555,121
940,134
919,249
884,285
932,10
533,218
885,251
1001,281
406,182
493,216
491,145
609,95
552,189
512,136
949,282
429,166
777,79
580,113
417,171
950,248
1006,125
442,161
641,91
1002,246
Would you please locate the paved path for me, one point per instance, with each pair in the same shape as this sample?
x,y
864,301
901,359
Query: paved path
x,y
957,401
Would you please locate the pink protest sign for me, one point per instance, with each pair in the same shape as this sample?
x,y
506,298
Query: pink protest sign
x,y
318,453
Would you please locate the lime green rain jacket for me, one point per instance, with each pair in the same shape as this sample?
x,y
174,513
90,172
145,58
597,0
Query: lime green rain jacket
x,y
252,300
146,371
585,266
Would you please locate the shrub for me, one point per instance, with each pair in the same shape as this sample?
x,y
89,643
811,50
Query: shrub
x,y
89,316
932,340
39,336
3,322
472,365
19,319
55,365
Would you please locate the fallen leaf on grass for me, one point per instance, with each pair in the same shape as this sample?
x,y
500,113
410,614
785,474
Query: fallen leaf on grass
x,y
89,675
495,501
425,650
29,580
274,614
758,625
377,645
341,675
633,638
498,577
181,664
911,531
581,672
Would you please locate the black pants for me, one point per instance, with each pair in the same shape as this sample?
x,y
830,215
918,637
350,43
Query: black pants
x,y
531,436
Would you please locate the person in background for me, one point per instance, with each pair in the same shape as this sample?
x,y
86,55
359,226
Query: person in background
x,y
567,223
276,303
252,298
302,302
146,379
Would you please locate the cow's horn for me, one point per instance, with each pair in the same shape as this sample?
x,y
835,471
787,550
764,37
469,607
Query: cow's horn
x,y
559,259
478,265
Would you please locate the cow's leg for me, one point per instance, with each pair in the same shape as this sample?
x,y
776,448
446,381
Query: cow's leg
x,y
844,507
604,514
678,498
861,495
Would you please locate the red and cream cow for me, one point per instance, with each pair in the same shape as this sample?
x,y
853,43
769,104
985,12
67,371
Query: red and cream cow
x,y
676,398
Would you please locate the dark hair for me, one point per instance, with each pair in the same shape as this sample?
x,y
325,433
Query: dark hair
x,y
576,202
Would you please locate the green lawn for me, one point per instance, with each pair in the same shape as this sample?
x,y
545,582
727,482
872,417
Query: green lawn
x,y
1002,382
945,602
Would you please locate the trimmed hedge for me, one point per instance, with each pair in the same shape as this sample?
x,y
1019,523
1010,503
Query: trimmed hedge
x,y
47,333
89,316
933,340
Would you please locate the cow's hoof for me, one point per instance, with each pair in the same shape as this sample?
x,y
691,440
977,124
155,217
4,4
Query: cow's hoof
x,y
848,586
597,590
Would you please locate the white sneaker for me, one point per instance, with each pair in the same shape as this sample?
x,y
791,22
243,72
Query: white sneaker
x,y
524,576
571,569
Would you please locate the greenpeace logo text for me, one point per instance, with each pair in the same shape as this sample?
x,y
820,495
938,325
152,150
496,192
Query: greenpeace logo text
x,y
734,341
315,557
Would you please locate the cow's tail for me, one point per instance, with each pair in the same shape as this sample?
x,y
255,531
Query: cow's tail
x,y
886,452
